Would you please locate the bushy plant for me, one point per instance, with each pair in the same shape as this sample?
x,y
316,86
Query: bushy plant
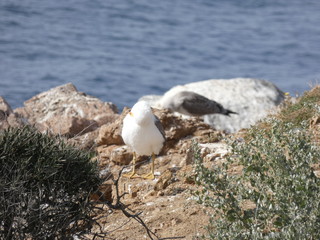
x,y
44,186
277,195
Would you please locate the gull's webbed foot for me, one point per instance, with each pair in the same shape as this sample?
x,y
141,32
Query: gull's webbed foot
x,y
150,176
131,175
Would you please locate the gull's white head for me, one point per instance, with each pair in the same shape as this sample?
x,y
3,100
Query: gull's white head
x,y
142,113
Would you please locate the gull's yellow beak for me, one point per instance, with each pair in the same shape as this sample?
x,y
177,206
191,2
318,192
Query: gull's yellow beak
x,y
131,114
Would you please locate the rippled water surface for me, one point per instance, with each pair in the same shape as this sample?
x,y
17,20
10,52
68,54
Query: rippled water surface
x,y
120,50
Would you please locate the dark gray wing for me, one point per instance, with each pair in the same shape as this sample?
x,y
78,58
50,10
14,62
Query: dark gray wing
x,y
159,126
199,105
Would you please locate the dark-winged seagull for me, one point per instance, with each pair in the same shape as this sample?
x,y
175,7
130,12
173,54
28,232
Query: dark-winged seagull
x,y
193,104
143,133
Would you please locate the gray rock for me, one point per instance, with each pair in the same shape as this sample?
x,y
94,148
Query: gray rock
x,y
252,99
151,99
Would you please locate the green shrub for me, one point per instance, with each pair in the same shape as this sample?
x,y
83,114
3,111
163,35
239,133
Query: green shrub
x,y
277,195
44,186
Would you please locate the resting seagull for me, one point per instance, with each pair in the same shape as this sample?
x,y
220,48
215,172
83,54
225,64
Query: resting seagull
x,y
193,104
144,134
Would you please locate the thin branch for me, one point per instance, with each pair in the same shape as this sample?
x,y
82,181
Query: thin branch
x,y
119,205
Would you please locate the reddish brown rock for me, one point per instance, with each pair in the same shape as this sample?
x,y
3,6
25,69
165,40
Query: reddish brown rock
x,y
177,128
121,155
7,117
5,107
110,134
164,181
85,141
66,111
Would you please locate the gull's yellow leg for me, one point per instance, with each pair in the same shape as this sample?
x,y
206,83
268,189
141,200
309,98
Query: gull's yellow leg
x,y
150,175
133,174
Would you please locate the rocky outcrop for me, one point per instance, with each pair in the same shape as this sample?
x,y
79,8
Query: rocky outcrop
x,y
65,111
110,134
7,117
179,132
252,99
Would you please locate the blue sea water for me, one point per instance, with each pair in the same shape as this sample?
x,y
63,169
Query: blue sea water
x,y
119,51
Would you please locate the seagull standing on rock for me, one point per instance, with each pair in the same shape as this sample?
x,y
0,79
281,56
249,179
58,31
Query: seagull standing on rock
x,y
143,133
193,104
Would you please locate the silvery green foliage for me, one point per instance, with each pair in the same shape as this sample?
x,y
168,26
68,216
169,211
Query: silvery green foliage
x,y
44,186
277,179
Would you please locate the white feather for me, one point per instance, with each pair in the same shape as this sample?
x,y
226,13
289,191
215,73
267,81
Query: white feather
x,y
139,131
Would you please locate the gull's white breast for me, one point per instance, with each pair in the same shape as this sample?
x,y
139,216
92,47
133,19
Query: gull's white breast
x,y
143,139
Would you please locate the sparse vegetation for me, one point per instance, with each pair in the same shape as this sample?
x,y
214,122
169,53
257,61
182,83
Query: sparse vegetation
x,y
44,186
307,107
277,194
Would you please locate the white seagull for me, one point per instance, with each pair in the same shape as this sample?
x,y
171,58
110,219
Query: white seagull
x,y
143,133
193,104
